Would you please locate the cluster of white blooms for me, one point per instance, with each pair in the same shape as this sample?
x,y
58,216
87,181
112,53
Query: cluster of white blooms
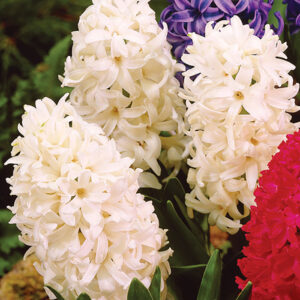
x,y
237,114
78,208
122,73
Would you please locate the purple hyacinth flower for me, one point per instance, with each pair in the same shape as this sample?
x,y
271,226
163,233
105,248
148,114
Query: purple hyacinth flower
x,y
293,15
184,16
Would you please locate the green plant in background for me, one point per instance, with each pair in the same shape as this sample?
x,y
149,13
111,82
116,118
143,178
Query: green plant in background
x,y
11,249
32,52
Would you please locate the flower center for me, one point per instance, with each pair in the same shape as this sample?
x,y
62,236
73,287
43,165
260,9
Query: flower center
x,y
81,192
118,59
115,111
238,95
254,141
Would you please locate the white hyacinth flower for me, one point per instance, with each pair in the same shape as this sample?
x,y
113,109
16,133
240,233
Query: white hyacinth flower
x,y
237,116
78,208
122,72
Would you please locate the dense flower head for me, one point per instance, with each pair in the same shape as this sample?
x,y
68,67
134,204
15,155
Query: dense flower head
x,y
293,15
272,261
78,208
122,73
237,115
186,16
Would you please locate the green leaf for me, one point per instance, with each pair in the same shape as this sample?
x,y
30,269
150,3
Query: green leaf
x,y
175,192
9,233
183,270
174,292
57,294
211,281
155,284
272,20
5,215
84,296
3,100
183,241
158,6
185,280
151,194
245,293
294,49
191,274
195,228
174,187
23,94
4,266
137,291
45,76
8,261
165,134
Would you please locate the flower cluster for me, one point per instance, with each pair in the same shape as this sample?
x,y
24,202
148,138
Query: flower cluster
x,y
272,256
183,17
236,110
122,72
78,208
293,15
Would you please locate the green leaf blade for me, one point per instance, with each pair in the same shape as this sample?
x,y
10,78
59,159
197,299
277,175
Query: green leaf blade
x,y
137,291
211,282
183,241
277,6
45,77
84,296
155,284
57,294
246,292
174,187
178,270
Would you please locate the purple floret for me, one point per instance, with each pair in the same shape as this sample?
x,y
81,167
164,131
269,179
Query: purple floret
x,y
293,15
184,16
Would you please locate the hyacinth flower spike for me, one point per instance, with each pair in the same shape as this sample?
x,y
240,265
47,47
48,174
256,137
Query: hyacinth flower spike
x,y
272,258
185,16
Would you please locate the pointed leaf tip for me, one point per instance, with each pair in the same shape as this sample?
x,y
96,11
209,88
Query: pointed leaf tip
x,y
137,291
155,284
84,296
211,281
174,187
246,292
57,294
